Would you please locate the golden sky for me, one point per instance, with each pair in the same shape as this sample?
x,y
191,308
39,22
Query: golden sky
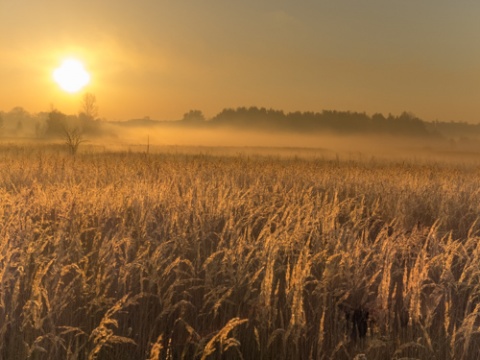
x,y
162,58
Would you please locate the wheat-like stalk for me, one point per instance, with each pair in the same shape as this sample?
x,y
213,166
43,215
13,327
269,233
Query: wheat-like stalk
x,y
189,255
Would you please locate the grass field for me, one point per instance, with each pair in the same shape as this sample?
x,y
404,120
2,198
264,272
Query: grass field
x,y
123,255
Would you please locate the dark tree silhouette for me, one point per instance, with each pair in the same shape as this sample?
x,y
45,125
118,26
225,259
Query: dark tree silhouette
x,y
193,116
73,138
55,123
343,122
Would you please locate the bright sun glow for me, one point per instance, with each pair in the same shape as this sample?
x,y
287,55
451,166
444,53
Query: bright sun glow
x,y
71,76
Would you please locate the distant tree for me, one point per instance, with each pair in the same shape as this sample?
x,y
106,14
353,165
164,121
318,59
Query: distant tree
x,y
55,124
18,113
38,130
408,123
89,106
19,126
193,116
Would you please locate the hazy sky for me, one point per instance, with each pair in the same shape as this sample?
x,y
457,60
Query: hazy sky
x,y
162,58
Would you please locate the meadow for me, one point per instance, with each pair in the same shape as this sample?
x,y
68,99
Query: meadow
x,y
128,255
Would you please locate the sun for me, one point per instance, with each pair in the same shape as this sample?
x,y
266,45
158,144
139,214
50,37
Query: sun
x,y
71,76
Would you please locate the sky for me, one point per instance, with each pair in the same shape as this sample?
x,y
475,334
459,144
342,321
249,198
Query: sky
x,y
162,58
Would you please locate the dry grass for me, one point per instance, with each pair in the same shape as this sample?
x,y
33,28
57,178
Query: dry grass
x,y
171,256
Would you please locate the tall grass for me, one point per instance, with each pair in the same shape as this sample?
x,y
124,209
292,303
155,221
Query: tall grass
x,y
174,256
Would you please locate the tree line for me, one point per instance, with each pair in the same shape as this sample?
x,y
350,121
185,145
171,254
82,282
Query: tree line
x,y
341,122
18,122
54,123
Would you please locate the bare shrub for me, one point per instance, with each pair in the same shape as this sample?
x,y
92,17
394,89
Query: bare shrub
x,y
73,138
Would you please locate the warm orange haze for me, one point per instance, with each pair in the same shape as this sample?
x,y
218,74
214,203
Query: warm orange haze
x,y
269,180
163,58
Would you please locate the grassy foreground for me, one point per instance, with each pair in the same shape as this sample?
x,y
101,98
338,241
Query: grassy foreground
x,y
171,256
